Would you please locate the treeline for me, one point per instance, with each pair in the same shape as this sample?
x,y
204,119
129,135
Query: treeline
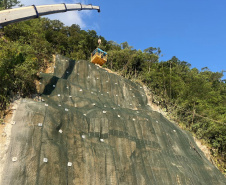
x,y
196,99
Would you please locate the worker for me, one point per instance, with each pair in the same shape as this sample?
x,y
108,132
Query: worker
x,y
99,41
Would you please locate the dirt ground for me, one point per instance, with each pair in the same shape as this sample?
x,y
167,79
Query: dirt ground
x,y
5,133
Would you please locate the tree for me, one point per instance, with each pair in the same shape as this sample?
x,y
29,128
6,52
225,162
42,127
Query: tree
x,y
112,45
125,45
152,50
7,4
151,56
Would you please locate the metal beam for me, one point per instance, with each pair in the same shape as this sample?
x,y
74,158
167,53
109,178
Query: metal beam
x,y
31,12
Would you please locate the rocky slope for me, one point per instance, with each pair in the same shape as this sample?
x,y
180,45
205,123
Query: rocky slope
x,y
93,127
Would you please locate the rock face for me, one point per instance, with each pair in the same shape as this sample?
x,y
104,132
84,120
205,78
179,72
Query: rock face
x,y
94,127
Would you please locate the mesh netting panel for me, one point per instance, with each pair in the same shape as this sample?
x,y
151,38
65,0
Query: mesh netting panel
x,y
94,127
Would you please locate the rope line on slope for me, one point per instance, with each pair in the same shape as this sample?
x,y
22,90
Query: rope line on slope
x,y
199,115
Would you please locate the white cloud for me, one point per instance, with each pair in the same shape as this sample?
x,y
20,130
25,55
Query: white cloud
x,y
68,18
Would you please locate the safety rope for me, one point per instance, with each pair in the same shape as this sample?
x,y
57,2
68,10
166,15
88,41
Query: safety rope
x,y
65,7
81,6
37,14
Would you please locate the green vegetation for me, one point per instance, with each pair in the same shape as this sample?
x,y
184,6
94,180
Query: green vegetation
x,y
195,99
6,4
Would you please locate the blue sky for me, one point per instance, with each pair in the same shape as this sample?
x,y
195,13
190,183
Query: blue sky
x,y
191,30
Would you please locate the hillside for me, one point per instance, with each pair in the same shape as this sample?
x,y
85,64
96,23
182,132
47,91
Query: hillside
x,y
90,126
